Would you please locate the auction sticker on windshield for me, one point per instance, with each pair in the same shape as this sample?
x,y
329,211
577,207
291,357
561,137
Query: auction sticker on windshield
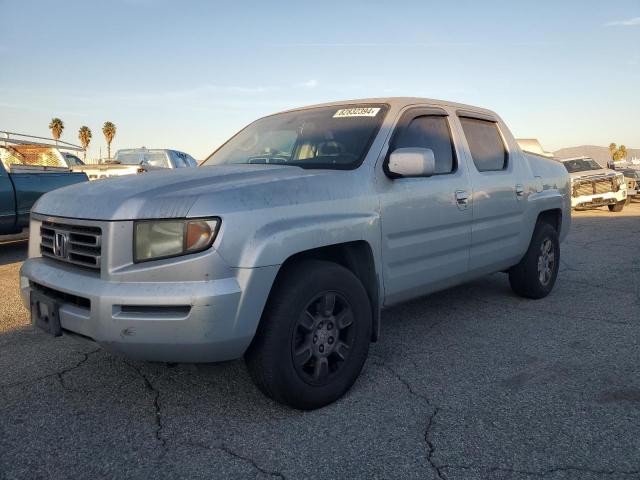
x,y
357,112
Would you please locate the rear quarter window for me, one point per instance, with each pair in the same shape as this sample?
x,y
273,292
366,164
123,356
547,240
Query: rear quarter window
x,y
485,144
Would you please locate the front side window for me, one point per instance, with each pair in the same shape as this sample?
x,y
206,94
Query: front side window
x,y
485,144
325,137
430,131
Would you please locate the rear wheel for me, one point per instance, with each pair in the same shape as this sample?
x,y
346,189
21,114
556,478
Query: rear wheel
x,y
617,207
535,275
314,336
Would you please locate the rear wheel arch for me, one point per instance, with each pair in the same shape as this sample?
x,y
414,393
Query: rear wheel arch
x,y
551,217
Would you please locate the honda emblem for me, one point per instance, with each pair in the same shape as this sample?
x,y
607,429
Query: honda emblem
x,y
60,244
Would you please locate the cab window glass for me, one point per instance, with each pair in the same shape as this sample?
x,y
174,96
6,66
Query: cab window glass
x,y
485,144
430,131
156,159
179,160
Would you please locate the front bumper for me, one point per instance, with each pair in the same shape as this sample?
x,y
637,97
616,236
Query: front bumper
x,y
598,200
185,321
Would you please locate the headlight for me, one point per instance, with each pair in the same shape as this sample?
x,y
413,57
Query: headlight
x,y
154,239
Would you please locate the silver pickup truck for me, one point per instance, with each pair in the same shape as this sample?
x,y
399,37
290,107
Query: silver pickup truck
x,y
289,240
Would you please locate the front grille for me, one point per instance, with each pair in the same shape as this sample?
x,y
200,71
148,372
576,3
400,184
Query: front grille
x,y
62,297
604,186
593,187
76,244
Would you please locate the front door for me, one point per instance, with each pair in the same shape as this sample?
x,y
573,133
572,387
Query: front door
x,y
426,222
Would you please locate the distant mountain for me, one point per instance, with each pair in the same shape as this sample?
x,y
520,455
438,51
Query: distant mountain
x,y
599,154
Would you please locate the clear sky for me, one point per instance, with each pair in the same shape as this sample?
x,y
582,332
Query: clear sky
x,y
188,74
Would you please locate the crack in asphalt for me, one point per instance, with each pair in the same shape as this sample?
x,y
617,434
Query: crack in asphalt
x,y
156,403
427,432
64,371
226,449
58,374
159,422
540,473
439,470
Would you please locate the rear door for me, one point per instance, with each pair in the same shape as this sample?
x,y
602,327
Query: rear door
x,y
499,193
426,222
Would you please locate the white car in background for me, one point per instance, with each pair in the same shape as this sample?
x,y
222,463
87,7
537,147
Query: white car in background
x,y
137,160
593,186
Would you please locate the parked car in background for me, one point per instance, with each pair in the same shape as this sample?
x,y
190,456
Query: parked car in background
x,y
593,186
632,177
138,160
72,160
286,243
29,168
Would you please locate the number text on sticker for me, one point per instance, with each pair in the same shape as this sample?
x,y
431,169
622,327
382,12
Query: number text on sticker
x,y
356,112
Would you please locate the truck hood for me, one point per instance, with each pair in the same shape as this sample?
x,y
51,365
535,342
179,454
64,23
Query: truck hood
x,y
173,193
603,172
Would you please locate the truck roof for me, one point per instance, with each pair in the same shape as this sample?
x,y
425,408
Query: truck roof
x,y
399,102
583,157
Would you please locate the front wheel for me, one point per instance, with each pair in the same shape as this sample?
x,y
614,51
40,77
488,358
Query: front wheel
x,y
314,336
535,275
617,207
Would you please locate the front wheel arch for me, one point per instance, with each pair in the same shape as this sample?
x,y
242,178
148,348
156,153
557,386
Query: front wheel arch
x,y
355,256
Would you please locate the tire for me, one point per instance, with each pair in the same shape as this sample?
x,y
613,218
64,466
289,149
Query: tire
x,y
309,350
617,207
535,275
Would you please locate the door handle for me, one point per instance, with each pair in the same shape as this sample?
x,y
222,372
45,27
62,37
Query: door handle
x,y
462,199
519,190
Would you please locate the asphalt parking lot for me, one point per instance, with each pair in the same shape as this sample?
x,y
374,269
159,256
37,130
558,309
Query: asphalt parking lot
x,y
472,382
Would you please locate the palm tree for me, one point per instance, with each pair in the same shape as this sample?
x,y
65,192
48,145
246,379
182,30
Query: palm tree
x,y
84,134
56,126
612,149
109,131
623,152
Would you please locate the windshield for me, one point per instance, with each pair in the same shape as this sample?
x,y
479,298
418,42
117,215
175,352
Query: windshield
x,y
128,158
631,173
72,160
581,165
326,137
155,158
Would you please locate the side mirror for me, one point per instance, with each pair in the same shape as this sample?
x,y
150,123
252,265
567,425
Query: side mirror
x,y
412,162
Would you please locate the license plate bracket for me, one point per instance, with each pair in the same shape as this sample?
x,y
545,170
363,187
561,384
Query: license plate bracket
x,y
45,313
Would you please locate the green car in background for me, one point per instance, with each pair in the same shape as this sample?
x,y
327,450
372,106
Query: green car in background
x,y
29,168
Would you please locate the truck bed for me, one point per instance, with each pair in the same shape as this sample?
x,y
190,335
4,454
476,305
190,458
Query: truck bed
x,y
28,183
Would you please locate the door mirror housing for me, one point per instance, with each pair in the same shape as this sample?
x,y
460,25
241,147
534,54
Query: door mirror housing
x,y
412,162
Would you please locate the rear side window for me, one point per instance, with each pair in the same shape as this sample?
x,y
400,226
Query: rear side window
x,y
430,131
485,144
